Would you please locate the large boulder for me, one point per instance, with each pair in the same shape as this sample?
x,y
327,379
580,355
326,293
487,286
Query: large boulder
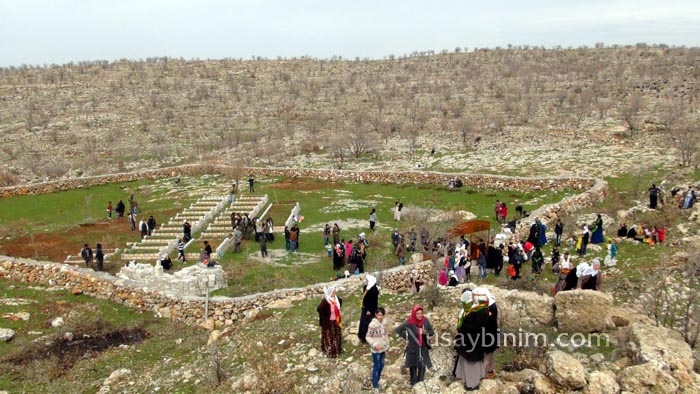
x,y
583,311
647,379
601,383
523,309
659,346
565,370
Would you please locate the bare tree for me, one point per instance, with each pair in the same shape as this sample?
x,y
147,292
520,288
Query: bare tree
x,y
465,127
358,142
630,112
338,149
671,113
685,139
603,105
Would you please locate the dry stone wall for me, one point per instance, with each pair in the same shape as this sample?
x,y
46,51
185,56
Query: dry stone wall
x,y
418,177
188,309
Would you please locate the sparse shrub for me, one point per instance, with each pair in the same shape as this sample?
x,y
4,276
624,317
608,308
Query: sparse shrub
x,y
7,178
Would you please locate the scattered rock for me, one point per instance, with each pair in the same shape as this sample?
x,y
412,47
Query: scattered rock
x,y
213,338
57,322
647,379
116,376
660,346
601,383
17,316
6,334
282,303
565,370
207,324
76,290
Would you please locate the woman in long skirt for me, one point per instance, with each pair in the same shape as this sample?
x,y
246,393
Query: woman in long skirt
x,y
564,270
470,339
331,323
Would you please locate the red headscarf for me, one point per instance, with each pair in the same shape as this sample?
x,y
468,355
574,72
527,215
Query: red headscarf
x,y
418,323
413,319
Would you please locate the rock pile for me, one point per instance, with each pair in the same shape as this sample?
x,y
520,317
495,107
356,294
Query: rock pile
x,y
189,281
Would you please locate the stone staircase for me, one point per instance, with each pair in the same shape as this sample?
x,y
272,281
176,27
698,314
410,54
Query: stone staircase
x,y
220,227
164,238
78,260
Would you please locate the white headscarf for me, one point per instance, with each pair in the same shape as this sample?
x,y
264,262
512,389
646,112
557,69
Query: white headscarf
x,y
581,268
371,281
467,296
328,294
480,295
591,270
585,229
491,297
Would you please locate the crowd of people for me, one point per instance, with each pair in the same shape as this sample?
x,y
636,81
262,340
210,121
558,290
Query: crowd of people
x,y
475,335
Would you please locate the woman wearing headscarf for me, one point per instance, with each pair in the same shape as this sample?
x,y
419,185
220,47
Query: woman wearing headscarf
x,y
564,271
585,236
454,281
597,236
537,261
331,323
370,302
443,277
339,256
491,342
415,281
416,330
469,340
572,278
590,278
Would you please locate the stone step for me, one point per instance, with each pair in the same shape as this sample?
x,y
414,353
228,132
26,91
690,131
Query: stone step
x,y
215,234
140,257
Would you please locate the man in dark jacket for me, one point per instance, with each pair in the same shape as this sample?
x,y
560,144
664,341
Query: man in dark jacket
x,y
86,254
151,225
99,257
370,302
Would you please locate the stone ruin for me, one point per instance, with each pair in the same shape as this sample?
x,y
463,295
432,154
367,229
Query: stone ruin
x,y
189,281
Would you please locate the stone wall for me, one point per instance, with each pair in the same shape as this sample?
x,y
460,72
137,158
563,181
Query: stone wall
x,y
418,177
548,213
188,309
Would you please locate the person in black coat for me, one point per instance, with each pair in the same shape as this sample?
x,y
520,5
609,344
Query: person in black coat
x,y
120,209
370,302
469,341
491,342
99,257
151,225
533,237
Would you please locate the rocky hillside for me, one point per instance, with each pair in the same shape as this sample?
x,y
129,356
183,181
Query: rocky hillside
x,y
519,103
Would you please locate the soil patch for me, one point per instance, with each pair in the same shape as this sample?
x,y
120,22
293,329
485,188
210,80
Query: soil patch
x,y
298,184
56,246
67,352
